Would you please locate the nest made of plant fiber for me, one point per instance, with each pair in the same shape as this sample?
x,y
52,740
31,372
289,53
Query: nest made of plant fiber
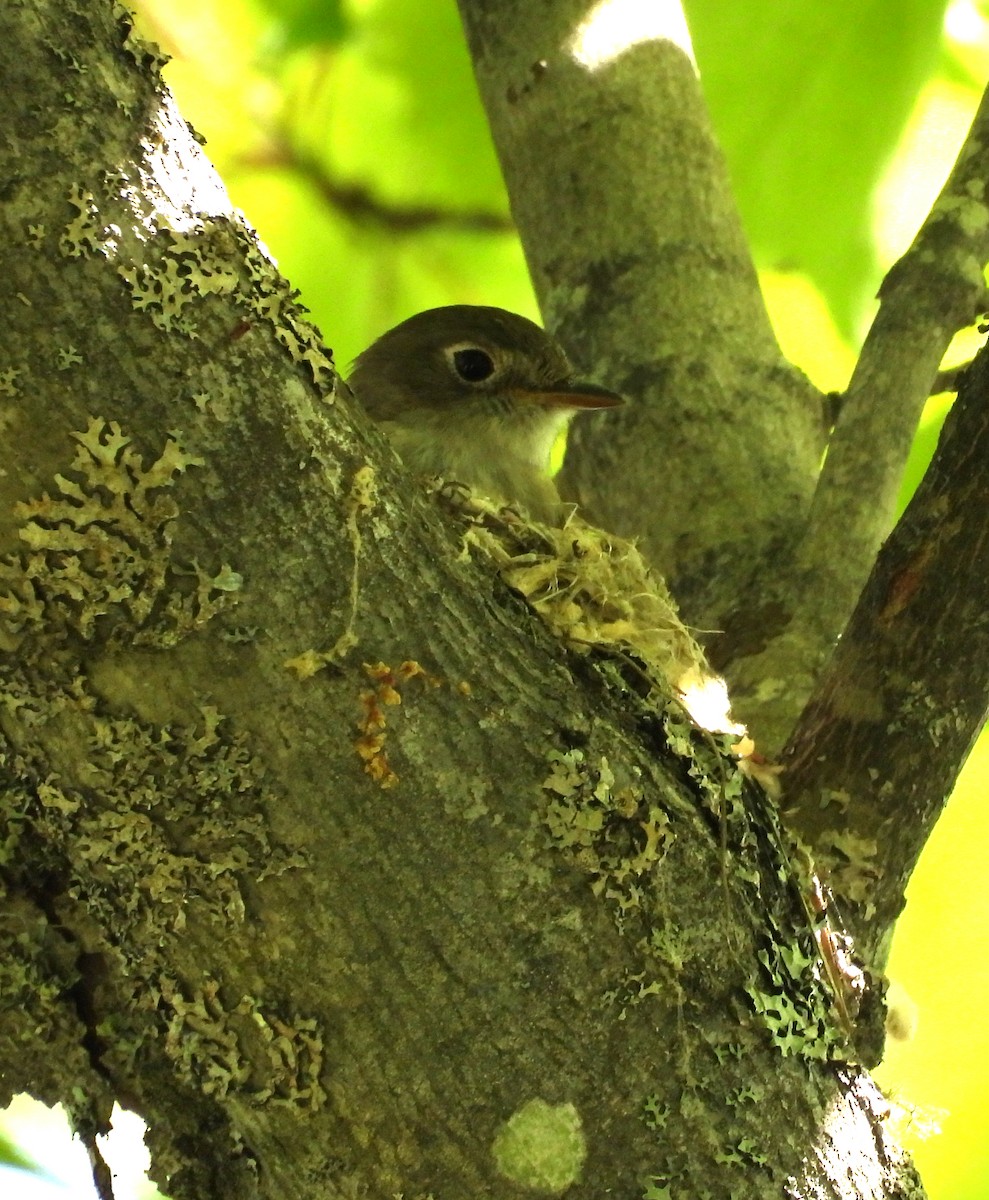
x,y
592,589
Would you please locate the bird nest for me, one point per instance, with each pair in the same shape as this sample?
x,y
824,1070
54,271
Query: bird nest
x,y
595,591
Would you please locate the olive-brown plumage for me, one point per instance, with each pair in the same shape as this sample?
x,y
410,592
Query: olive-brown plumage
x,y
477,395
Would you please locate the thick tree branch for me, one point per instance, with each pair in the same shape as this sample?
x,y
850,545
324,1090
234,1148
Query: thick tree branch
x,y
879,746
472,916
934,290
623,204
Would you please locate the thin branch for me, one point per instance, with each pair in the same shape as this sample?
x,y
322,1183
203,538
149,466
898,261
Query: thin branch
x,y
906,693
358,203
934,290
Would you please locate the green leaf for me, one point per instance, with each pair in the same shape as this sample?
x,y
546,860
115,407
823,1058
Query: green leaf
x,y
809,100
438,146
12,1156
302,23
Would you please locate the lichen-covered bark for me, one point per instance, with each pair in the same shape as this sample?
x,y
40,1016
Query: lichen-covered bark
x,y
319,850
907,692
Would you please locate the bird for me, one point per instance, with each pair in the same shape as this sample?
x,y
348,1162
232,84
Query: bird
x,y
477,395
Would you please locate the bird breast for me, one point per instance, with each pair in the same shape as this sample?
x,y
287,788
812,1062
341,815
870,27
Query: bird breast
x,y
504,460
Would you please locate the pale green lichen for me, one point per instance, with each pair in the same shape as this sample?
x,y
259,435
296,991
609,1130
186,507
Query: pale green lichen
x,y
655,1112
272,299
84,234
541,1147
147,55
748,1093
8,381
188,269
744,1153
218,257
99,549
217,1048
796,1006
146,825
619,838
612,832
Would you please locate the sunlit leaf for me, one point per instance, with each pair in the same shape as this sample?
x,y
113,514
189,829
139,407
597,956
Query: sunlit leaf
x,y
12,1156
809,100
302,23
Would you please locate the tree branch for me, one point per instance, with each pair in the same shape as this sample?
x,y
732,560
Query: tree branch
x,y
334,934
933,291
358,203
891,721
644,272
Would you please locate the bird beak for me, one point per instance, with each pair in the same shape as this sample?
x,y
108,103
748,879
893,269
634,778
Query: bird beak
x,y
569,395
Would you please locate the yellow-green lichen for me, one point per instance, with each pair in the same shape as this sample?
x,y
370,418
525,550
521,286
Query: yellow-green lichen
x,y
186,270
611,831
84,234
129,831
67,357
147,55
541,1147
8,381
244,1050
743,1153
218,257
99,549
657,1187
853,868
795,998
655,1112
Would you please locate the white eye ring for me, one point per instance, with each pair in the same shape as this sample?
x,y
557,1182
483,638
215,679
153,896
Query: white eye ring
x,y
470,363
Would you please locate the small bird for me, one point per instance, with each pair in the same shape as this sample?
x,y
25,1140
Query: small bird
x,y
477,395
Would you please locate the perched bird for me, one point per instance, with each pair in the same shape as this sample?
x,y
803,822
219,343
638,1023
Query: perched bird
x,y
477,395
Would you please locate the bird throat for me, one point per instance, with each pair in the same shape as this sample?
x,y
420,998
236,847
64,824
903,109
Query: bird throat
x,y
503,453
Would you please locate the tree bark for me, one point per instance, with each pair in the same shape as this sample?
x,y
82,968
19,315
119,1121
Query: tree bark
x,y
906,694
716,466
319,850
624,207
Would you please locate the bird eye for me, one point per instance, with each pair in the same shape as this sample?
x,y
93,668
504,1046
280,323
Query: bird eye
x,y
473,365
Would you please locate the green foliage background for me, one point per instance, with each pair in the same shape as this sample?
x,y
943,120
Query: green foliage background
x,y
352,136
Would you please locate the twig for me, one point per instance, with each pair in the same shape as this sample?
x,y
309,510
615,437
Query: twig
x,y
357,202
102,1175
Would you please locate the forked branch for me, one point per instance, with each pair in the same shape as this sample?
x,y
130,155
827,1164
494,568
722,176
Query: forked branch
x,y
881,742
934,290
